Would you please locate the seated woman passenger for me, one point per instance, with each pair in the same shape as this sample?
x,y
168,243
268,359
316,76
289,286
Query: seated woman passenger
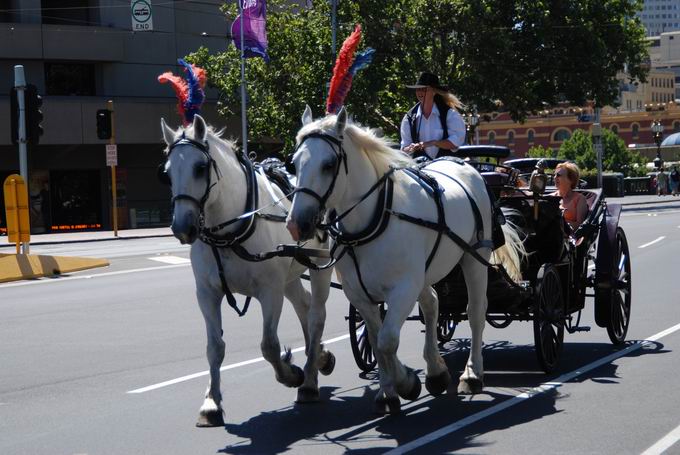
x,y
573,205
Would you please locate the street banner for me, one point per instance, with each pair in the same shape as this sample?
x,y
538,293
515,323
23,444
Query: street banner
x,y
254,22
142,20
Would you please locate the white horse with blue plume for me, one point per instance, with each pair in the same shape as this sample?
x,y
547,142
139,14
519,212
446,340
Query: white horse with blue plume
x,y
233,218
396,233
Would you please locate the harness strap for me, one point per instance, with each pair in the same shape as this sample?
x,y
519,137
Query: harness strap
x,y
270,190
352,255
225,287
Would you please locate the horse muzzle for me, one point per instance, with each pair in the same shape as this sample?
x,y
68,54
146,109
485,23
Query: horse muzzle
x,y
303,227
185,228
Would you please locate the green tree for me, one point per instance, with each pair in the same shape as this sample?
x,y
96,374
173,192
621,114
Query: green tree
x,y
616,157
518,54
538,151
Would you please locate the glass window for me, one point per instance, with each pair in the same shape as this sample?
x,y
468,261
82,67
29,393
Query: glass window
x,y
561,135
676,127
69,12
635,129
492,138
6,10
615,129
511,137
66,79
530,136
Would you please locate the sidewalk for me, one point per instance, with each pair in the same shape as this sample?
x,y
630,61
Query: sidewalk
x,y
628,202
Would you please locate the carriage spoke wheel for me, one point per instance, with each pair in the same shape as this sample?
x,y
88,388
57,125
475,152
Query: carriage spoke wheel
x,y
548,318
619,307
445,329
361,346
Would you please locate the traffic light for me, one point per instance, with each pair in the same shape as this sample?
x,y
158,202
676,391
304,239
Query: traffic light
x,y
14,114
104,124
34,115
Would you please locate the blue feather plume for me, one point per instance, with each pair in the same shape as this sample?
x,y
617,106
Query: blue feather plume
x,y
362,60
195,93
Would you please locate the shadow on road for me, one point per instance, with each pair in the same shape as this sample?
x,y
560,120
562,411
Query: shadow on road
x,y
318,427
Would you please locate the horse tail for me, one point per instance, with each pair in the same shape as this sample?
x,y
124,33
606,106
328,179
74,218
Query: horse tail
x,y
511,255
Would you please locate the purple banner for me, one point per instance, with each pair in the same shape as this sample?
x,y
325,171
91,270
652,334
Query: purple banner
x,y
254,29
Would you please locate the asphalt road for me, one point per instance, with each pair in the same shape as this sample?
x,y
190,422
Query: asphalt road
x,y
111,361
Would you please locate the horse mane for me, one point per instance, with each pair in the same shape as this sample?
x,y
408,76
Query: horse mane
x,y
377,149
215,140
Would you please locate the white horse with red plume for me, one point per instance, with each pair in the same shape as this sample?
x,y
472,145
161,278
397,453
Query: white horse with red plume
x,y
211,184
396,233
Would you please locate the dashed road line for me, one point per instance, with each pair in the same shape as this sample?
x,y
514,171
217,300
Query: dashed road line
x,y
517,399
171,259
652,242
664,443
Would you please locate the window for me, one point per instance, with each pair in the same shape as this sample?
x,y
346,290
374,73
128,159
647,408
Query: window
x,y
511,137
561,135
69,12
492,138
676,127
530,136
6,13
614,129
70,79
635,130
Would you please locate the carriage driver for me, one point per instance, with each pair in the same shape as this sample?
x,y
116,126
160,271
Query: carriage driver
x,y
433,127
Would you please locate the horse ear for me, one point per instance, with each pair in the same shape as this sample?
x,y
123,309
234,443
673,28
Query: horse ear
x,y
341,122
307,115
200,129
168,133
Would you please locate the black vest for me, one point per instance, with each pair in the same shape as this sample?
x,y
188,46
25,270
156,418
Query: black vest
x,y
415,134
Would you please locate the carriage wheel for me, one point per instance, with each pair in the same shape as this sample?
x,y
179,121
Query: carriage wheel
x,y
619,307
445,329
548,318
358,338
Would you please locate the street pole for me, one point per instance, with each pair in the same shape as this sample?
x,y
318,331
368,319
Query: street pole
x,y
244,119
20,85
112,141
597,135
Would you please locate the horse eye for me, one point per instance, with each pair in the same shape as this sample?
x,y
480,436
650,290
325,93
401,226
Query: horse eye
x,y
328,166
199,170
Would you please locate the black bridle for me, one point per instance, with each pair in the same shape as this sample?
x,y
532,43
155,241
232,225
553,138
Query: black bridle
x,y
204,148
340,160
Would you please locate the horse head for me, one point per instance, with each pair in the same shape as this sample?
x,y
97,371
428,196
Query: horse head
x,y
320,164
188,171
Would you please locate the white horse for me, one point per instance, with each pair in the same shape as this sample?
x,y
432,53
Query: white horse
x,y
338,164
210,186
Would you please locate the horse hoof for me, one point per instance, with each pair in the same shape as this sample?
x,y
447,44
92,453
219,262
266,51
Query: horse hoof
x,y
329,366
384,405
307,395
210,419
414,391
471,386
438,384
299,376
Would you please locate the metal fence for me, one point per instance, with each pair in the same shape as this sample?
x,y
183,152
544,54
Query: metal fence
x,y
638,185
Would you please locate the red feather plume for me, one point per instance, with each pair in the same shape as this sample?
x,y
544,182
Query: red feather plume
x,y
336,94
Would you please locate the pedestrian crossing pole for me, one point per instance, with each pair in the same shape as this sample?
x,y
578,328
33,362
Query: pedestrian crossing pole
x,y
112,141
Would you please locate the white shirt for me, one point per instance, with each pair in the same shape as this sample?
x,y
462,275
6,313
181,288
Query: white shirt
x,y
430,129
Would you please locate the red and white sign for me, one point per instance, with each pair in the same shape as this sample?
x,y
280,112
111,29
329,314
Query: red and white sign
x,y
111,155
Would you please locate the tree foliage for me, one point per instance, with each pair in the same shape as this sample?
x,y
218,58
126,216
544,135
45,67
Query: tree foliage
x,y
517,54
616,157
538,151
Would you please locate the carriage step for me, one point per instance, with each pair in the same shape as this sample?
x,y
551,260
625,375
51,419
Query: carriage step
x,y
584,328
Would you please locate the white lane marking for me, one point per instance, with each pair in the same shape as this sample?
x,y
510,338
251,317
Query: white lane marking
x,y
664,443
171,259
652,242
224,368
517,399
661,212
83,277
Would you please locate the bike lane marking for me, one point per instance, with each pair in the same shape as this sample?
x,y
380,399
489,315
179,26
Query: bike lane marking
x,y
188,377
538,390
657,240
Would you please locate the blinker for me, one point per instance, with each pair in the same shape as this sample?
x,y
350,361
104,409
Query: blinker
x,y
162,174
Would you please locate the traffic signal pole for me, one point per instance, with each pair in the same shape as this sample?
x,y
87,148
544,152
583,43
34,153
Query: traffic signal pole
x,y
112,141
20,85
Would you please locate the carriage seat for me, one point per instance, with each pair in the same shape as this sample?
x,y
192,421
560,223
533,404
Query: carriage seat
x,y
496,178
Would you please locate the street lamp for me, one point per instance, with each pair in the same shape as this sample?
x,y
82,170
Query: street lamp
x,y
657,130
471,122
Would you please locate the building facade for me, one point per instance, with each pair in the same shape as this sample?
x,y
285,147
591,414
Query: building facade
x,y
80,54
659,16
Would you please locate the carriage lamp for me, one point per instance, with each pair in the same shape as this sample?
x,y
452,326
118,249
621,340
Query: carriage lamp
x,y
657,132
537,184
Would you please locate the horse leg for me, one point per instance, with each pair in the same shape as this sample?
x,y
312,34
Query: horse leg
x,y
476,278
396,380
317,358
286,373
211,413
438,377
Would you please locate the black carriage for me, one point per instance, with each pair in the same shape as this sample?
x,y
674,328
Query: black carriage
x,y
558,275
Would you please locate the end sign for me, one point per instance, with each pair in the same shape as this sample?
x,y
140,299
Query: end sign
x,y
141,16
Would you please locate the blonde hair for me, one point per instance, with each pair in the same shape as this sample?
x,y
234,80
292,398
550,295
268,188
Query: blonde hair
x,y
573,172
449,98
